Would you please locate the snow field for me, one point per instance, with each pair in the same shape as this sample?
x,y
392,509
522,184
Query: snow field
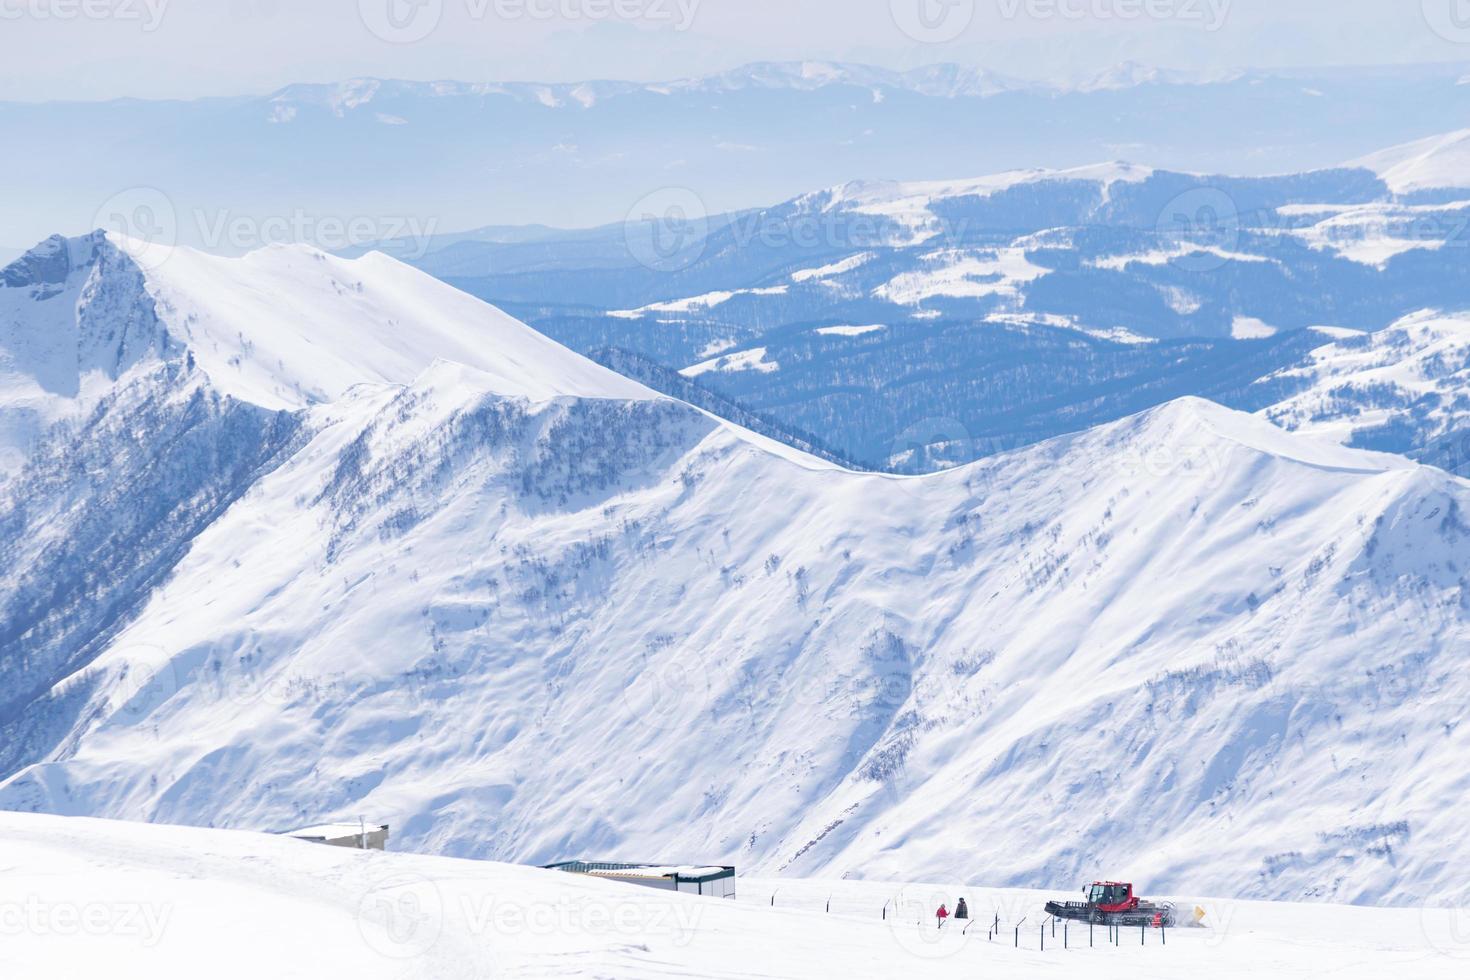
x,y
83,897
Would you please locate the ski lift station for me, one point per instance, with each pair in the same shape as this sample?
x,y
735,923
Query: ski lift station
x,y
364,837
713,881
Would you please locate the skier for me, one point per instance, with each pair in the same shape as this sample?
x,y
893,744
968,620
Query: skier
x,y
941,915
962,911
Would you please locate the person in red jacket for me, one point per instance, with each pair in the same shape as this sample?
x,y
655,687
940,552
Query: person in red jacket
x,y
941,915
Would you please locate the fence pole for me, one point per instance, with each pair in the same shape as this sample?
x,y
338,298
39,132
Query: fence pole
x,y
1065,945
1042,930
1089,933
1163,933
1143,934
829,904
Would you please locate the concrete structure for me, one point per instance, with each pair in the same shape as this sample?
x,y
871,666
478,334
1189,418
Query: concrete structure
x,y
716,881
364,837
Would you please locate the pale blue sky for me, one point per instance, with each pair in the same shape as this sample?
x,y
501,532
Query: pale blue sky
x,y
92,49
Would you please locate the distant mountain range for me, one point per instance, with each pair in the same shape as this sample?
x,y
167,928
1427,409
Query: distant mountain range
x,y
308,162
941,81
292,538
916,325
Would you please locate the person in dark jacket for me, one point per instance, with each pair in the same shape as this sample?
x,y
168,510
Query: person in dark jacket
x,y
962,911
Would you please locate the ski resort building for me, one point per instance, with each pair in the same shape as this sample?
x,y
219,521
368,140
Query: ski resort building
x,y
716,881
360,836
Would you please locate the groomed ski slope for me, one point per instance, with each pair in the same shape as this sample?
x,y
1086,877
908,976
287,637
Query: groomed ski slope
x,y
88,898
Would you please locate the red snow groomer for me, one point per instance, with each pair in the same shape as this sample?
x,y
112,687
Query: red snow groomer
x,y
1113,903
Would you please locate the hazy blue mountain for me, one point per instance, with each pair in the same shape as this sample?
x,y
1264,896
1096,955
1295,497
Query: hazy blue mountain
x,y
922,324
462,155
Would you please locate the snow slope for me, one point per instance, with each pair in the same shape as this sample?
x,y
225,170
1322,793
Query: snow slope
x,y
1404,389
86,898
1437,162
522,610
289,326
910,204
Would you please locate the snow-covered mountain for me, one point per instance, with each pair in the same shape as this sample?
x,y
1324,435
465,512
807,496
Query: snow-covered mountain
x,y
1405,390
1437,163
961,317
946,81
329,538
467,154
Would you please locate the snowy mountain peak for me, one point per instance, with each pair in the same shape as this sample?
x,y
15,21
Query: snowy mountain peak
x,y
861,193
1438,162
940,81
1132,74
937,81
51,262
69,308
946,81
909,204
288,326
1197,421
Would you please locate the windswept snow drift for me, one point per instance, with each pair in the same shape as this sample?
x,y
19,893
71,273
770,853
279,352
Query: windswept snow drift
x,y
523,609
